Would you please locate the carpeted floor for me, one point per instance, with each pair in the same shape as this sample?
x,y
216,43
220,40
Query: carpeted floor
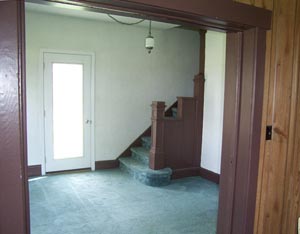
x,y
110,202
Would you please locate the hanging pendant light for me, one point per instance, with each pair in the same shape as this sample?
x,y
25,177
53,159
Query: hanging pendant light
x,y
149,43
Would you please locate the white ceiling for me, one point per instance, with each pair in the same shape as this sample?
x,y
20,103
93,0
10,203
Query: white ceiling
x,y
75,11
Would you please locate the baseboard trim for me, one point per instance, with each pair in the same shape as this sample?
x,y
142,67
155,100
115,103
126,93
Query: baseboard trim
x,y
196,171
77,170
209,175
185,172
108,164
34,170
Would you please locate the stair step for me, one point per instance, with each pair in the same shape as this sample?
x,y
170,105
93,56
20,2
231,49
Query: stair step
x,y
146,142
144,174
174,112
140,154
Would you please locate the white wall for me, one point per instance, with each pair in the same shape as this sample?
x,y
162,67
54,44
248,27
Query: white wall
x,y
213,101
127,78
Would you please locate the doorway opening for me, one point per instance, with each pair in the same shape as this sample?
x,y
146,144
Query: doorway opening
x,y
67,83
246,27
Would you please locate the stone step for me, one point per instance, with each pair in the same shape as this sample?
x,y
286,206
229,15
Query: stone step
x,y
140,154
144,174
146,142
174,112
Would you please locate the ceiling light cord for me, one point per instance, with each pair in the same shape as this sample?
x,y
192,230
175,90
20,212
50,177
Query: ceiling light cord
x,y
124,23
150,27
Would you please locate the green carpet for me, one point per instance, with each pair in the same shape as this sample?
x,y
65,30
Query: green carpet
x,y
111,202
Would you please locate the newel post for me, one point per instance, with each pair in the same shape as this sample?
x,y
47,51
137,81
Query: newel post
x,y
199,79
157,159
199,86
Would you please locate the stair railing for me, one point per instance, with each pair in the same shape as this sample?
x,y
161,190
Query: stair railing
x,y
176,142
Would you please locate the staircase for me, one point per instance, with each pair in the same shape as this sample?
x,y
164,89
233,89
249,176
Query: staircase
x,y
138,164
177,137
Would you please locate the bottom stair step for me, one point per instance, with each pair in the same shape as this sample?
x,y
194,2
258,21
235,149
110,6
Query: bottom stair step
x,y
144,174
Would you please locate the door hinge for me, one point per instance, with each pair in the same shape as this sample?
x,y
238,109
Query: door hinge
x,y
269,132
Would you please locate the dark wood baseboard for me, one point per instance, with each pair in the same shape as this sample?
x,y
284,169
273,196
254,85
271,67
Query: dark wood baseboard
x,y
34,170
209,175
196,171
108,164
185,172
78,170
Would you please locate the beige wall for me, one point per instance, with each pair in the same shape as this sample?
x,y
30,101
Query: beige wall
x,y
127,79
213,101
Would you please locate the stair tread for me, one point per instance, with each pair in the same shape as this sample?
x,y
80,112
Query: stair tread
x,y
174,112
140,150
146,138
144,168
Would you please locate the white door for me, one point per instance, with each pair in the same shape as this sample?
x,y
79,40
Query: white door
x,y
67,104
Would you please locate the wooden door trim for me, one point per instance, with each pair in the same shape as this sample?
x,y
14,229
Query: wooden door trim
x,y
14,198
205,14
23,112
231,120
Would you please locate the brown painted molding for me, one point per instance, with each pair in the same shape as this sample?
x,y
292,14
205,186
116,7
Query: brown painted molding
x,y
87,169
185,172
177,143
109,164
34,170
14,202
244,84
14,215
251,101
209,175
230,15
157,155
174,140
196,171
199,81
230,131
147,132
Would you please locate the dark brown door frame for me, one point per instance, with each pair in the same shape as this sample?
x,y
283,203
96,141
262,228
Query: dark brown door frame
x,y
241,130
14,203
242,115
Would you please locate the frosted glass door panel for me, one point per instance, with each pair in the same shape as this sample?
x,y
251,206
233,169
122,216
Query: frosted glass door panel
x,y
67,110
67,103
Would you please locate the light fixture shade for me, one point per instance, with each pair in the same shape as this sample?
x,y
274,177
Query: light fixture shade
x,y
149,44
